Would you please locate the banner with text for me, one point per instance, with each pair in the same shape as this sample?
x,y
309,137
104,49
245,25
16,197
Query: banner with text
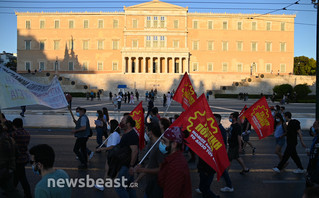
x,y
185,94
205,137
138,115
18,91
260,117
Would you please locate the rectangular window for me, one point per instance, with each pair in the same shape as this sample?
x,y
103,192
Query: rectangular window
x,y
162,41
41,66
195,45
86,24
282,68
85,45
254,46
155,22
210,25
115,45
56,24
28,45
27,24
283,26
195,24
268,67
225,25
99,66
71,44
148,22
282,47
71,24
42,24
27,65
225,46
225,67
85,66
254,25
268,46
56,45
239,46
210,67
176,24
148,41
134,23
155,41
100,23
134,43
115,23
239,25
268,26
71,66
175,44
195,66
162,22
100,45
115,66
41,45
240,67
210,45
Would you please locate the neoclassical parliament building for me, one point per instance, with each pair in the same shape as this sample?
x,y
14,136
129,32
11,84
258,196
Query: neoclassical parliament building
x,y
155,38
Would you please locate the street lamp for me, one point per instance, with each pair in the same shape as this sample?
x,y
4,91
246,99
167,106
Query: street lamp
x,y
316,2
56,65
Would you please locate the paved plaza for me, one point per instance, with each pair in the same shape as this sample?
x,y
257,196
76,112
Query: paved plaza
x,y
53,127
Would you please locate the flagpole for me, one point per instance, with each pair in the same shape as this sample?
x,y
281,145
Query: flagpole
x,y
151,148
74,120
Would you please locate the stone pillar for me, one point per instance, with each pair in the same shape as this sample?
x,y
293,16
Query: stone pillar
x,y
165,65
187,64
152,65
158,65
138,65
173,64
144,65
180,65
124,65
129,65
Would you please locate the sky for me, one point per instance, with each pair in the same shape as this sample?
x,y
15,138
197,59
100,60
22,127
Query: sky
x,y
305,21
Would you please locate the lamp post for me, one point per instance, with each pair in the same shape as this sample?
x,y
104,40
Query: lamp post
x,y
316,2
56,65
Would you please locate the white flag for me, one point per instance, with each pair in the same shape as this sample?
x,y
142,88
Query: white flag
x,y
16,90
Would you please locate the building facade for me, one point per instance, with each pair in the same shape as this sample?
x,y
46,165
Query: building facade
x,y
155,37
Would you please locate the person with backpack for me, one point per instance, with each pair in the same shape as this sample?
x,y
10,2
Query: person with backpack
x,y
81,132
279,134
293,129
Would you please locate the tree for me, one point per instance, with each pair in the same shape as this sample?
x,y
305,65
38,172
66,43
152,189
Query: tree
x,y
302,91
304,66
12,64
284,89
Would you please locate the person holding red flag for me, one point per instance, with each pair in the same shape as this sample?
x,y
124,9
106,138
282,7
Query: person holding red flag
x,y
138,116
174,176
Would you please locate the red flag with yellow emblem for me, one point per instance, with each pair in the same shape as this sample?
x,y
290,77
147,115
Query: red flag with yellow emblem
x,y
185,94
260,117
241,115
205,138
138,115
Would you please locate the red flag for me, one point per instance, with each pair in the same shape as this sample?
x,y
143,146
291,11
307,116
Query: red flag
x,y
185,93
241,117
205,137
138,115
260,117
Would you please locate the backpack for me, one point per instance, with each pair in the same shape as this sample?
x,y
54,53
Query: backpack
x,y
117,157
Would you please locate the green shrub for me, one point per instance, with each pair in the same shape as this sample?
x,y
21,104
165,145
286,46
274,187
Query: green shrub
x,y
302,91
282,90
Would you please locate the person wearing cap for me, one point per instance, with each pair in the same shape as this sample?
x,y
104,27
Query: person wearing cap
x,y
174,176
